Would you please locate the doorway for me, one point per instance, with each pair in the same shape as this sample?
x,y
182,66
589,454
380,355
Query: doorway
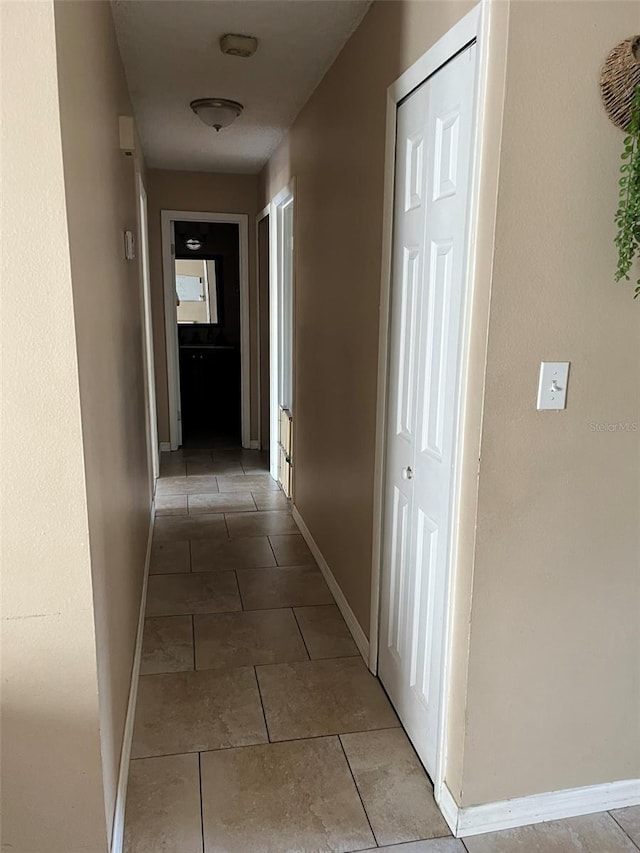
x,y
205,264
435,119
281,337
207,269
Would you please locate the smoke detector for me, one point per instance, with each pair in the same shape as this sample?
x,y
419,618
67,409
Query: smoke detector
x,y
236,45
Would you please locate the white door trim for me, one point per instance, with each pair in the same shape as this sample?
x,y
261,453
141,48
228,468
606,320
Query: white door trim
x,y
147,329
477,27
280,200
171,337
262,215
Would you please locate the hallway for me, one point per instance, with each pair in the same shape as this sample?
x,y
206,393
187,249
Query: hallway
x,y
258,726
486,567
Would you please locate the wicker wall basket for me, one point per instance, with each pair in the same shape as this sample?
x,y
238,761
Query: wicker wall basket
x,y
618,81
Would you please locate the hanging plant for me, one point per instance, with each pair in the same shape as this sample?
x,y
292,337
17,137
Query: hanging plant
x,y
628,214
620,89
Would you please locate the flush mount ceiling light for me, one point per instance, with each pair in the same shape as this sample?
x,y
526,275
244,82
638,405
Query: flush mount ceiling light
x,y
216,112
193,244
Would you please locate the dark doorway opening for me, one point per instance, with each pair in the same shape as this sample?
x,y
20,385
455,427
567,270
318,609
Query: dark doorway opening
x,y
207,275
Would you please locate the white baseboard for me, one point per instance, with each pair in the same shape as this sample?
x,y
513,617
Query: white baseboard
x,y
165,446
537,808
448,806
353,625
117,835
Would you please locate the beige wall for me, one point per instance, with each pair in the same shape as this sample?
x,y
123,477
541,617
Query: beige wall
x,y
206,193
101,204
555,637
335,149
190,268
52,793
548,697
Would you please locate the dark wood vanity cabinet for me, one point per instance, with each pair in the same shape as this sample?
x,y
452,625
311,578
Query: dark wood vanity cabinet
x,y
210,390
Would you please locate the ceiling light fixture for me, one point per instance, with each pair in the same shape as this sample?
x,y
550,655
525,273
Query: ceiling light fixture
x,y
193,244
216,112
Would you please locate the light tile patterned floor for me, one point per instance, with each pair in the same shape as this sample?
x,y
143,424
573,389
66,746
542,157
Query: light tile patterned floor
x,y
258,727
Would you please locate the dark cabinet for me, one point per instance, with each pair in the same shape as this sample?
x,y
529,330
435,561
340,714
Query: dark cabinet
x,y
210,391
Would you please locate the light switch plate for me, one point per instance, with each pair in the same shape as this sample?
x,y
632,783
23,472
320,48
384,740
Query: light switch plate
x,y
552,386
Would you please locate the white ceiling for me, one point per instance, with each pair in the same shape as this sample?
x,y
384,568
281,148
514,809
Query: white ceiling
x,y
171,56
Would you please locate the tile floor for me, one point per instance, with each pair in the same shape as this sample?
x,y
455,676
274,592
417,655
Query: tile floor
x,y
258,727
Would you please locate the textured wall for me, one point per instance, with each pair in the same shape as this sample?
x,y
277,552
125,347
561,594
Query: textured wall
x,y
52,795
335,149
554,692
545,690
101,204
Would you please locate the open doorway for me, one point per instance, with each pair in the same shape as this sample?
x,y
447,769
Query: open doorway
x,y
205,259
281,343
207,277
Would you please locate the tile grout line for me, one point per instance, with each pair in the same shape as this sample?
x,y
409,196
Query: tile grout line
x,y
242,607
201,802
350,657
257,743
304,642
614,818
264,713
364,808
218,572
277,565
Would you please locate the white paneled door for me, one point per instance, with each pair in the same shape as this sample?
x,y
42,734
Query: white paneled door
x,y
429,273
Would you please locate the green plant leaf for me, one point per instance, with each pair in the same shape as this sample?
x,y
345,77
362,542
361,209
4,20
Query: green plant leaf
x,y
627,216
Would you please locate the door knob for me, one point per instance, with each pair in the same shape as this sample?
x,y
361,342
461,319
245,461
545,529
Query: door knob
x,y
407,473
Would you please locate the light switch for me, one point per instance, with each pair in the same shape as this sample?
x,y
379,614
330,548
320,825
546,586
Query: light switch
x,y
552,387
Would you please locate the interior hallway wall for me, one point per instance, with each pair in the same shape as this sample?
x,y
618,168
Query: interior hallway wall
x,y
52,790
554,674
552,598
335,150
101,198
207,193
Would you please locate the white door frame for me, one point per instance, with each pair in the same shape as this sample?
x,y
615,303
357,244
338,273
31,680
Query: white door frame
x,y
147,332
168,217
262,215
283,198
475,26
